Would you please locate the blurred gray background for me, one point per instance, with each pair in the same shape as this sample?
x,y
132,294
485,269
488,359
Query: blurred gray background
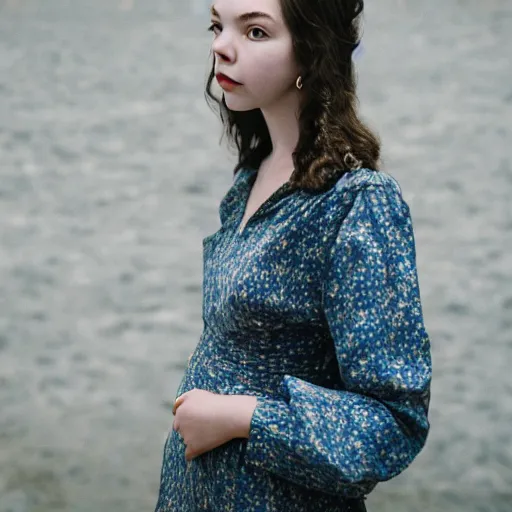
x,y
110,176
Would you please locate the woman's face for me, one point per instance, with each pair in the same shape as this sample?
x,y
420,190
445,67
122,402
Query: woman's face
x,y
255,51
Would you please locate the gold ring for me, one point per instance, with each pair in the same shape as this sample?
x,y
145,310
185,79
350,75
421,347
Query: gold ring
x,y
176,405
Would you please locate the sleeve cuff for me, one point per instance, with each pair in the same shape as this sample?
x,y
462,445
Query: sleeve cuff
x,y
268,427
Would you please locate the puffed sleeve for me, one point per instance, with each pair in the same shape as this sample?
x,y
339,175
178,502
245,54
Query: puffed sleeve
x,y
344,441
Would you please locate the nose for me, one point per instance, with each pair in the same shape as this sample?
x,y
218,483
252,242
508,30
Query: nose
x,y
223,48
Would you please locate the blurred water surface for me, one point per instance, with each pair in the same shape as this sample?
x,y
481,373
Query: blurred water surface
x,y
111,174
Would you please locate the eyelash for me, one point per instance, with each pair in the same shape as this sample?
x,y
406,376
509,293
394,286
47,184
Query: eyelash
x,y
215,25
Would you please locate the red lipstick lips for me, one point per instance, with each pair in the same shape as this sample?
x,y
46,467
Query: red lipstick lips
x,y
226,82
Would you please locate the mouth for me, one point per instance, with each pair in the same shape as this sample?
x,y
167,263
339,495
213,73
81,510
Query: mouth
x,y
226,82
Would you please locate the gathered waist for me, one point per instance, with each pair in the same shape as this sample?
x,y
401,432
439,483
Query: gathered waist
x,y
223,366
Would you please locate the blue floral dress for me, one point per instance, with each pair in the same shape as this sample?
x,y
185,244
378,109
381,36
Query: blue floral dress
x,y
314,308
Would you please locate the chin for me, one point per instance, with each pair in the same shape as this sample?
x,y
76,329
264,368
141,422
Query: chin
x,y
238,106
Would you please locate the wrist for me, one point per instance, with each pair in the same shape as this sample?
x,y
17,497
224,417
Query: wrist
x,y
244,406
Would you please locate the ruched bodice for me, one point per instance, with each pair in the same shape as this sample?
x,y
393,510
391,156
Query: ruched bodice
x,y
247,367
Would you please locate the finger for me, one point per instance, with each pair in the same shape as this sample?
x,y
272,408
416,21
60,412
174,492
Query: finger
x,y
179,401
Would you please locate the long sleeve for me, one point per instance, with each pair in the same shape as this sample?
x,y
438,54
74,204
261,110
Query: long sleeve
x,y
344,441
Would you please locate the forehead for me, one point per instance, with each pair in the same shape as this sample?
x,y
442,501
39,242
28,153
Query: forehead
x,y
233,8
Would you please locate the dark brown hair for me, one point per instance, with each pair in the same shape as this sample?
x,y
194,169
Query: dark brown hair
x,y
332,137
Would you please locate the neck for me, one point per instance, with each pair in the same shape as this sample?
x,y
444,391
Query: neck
x,y
283,126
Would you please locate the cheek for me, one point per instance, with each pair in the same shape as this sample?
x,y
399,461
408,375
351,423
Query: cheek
x,y
267,75
271,72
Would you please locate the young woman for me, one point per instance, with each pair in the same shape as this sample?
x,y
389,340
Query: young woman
x,y
311,380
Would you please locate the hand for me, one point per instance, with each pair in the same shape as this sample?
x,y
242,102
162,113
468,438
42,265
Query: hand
x,y
206,420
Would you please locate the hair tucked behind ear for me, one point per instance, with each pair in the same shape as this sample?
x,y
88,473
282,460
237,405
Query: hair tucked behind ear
x,y
332,137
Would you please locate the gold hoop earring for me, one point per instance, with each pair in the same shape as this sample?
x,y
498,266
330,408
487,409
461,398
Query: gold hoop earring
x,y
298,83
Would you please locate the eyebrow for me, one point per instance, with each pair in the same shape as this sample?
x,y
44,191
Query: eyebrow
x,y
245,16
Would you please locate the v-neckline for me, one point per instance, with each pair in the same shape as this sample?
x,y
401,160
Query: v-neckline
x,y
240,230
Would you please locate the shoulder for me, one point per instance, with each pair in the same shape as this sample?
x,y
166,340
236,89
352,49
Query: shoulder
x,y
361,179
367,185
369,197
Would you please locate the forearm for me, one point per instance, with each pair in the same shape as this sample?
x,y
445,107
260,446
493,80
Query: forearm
x,y
240,411
339,442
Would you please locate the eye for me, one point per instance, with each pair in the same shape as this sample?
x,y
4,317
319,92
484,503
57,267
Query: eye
x,y
214,26
258,30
